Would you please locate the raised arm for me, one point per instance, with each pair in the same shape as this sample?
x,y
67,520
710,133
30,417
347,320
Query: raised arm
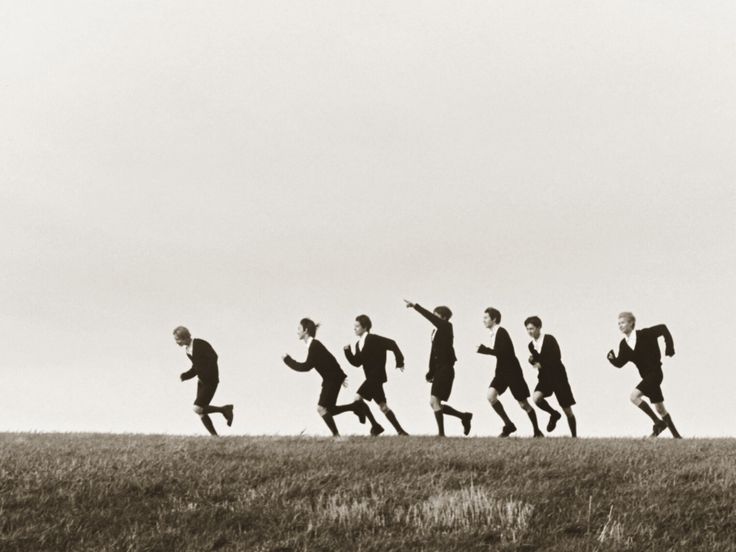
x,y
617,361
485,350
352,358
433,318
661,330
503,347
189,374
534,358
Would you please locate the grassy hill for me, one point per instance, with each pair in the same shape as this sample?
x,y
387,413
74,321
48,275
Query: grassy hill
x,y
134,492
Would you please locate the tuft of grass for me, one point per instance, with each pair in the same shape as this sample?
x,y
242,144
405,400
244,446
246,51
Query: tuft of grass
x,y
471,509
103,493
613,533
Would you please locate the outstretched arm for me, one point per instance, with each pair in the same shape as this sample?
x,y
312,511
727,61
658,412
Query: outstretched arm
x,y
661,330
433,318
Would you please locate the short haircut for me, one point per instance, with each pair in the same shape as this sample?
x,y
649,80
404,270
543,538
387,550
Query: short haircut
x,y
495,314
309,325
534,321
364,321
181,331
628,316
444,312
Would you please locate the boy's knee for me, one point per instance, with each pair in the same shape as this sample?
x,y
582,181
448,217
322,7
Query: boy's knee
x,y
661,410
321,410
492,396
538,397
525,405
635,397
384,407
434,402
568,412
198,410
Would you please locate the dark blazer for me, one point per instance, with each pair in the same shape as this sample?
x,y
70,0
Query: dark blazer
x,y
646,354
204,363
321,360
550,357
443,350
503,350
373,356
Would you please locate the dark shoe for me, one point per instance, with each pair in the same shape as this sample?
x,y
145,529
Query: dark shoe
x,y
376,430
538,434
466,422
553,419
507,430
403,433
658,428
229,414
360,412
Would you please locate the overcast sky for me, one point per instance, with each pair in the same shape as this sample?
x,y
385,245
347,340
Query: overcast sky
x,y
235,166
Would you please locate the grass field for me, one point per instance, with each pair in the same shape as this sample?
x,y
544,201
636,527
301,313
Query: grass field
x,y
136,492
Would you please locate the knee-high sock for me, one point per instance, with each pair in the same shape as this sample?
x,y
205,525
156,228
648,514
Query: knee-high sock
x,y
544,405
498,407
209,409
572,422
644,407
670,424
207,421
368,413
447,409
330,421
394,422
440,422
349,407
533,418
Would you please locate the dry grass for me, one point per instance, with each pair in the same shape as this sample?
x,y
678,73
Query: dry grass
x,y
153,493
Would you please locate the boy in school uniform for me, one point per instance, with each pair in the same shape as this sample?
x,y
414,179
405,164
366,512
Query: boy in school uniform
x,y
642,348
546,357
441,372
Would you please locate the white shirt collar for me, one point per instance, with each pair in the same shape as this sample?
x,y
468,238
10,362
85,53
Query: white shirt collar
x,y
538,342
493,332
361,341
631,340
309,341
190,347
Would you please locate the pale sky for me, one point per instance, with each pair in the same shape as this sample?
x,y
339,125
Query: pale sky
x,y
236,166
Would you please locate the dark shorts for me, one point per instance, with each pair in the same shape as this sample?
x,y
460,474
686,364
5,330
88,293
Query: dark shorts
x,y
560,387
372,391
205,392
328,395
651,386
442,382
513,380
